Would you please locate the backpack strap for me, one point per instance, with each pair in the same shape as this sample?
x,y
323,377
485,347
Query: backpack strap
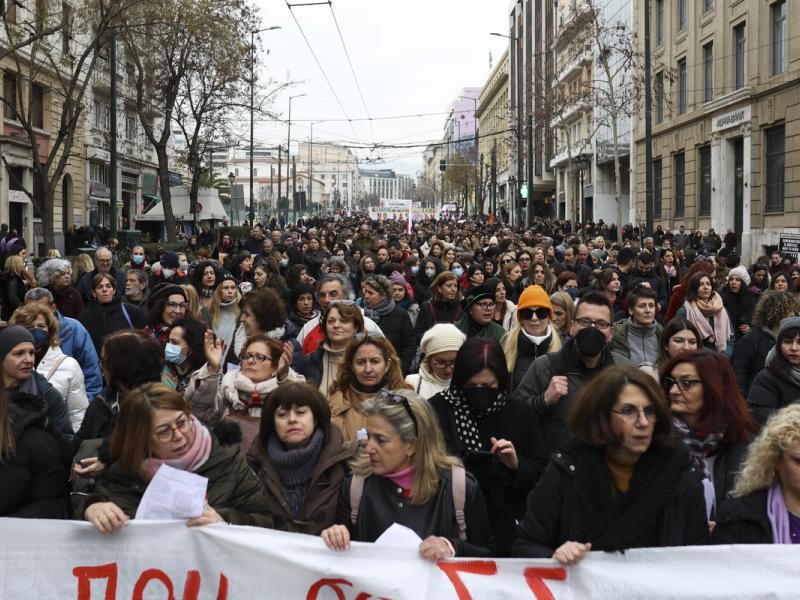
x,y
459,480
126,315
356,490
55,367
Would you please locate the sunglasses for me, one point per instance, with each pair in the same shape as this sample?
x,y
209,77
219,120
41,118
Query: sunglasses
x,y
527,313
388,397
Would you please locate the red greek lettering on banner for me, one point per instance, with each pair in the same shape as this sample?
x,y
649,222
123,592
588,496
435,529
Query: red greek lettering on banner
x,y
86,574
191,589
535,577
148,576
474,567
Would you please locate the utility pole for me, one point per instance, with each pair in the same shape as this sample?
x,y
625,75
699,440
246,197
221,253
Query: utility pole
x,y
311,168
648,126
252,88
280,157
529,218
479,194
493,175
112,175
294,189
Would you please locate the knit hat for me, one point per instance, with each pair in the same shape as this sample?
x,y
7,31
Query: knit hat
x,y
790,323
380,283
741,273
12,336
534,296
476,294
226,276
297,291
442,337
169,260
164,290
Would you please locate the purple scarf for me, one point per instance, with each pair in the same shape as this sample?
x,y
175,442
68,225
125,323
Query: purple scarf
x,y
778,515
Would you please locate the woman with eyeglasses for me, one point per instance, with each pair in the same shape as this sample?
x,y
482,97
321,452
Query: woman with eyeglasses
x,y
505,311
496,437
621,483
704,307
438,350
167,304
156,427
778,384
107,313
340,323
711,417
532,336
444,305
265,364
404,475
479,311
370,363
765,504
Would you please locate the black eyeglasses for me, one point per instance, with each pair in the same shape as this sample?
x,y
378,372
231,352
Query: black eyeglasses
x,y
527,313
388,397
683,383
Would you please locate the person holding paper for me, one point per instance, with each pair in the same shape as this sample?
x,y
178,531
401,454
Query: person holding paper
x,y
155,427
622,482
300,459
408,478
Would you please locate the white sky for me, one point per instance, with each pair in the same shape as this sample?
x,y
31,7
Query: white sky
x,y
410,57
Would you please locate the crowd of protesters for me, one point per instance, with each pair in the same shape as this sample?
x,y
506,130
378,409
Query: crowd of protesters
x,y
539,392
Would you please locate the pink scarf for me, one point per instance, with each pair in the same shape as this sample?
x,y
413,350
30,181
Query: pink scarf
x,y
194,458
698,315
403,478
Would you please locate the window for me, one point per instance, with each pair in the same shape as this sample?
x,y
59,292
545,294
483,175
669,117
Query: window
x,y
739,56
679,166
681,15
708,72
704,182
708,5
682,86
657,189
102,117
659,23
98,172
779,39
37,106
775,168
255,172
131,126
10,95
659,93
15,175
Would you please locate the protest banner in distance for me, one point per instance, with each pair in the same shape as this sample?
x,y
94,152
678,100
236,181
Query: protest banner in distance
x,y
71,560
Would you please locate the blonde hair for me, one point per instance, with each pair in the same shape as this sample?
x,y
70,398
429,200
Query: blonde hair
x,y
83,264
53,253
511,343
780,433
192,300
214,309
430,453
27,314
15,264
565,301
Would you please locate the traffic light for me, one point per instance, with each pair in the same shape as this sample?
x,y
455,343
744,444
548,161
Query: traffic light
x,y
442,166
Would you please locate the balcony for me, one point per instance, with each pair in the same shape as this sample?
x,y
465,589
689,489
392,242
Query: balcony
x,y
574,65
581,146
571,110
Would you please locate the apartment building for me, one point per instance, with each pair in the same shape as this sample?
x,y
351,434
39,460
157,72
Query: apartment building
x,y
496,142
726,118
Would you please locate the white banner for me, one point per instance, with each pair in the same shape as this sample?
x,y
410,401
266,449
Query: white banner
x,y
158,560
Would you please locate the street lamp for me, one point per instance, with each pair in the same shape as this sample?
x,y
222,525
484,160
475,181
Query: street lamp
x,y
582,162
510,37
253,34
231,180
288,152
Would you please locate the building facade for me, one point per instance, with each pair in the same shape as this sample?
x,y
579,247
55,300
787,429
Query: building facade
x,y
495,143
379,184
726,125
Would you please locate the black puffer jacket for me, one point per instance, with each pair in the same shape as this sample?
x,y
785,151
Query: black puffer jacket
x,y
101,320
431,313
743,521
382,505
98,422
750,356
505,491
34,479
397,328
769,393
527,352
573,502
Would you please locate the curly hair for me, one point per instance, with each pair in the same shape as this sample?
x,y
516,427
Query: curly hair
x,y
27,314
781,432
267,307
50,269
772,307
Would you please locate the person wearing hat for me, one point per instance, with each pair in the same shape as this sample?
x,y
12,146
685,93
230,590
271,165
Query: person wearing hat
x,y
379,305
532,336
20,380
439,347
739,301
403,296
167,304
167,270
106,312
778,384
478,320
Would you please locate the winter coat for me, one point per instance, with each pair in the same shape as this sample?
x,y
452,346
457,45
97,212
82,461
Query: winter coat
x,y
504,491
397,328
383,504
769,393
98,422
527,352
619,342
345,415
574,502
101,320
12,294
472,329
750,356
85,285
657,284
319,507
67,379
68,301
432,312
75,341
233,489
232,397
200,390
743,520
553,419
33,479
740,309
509,316
57,414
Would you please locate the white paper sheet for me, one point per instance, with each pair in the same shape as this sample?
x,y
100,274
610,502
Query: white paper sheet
x,y
173,494
399,536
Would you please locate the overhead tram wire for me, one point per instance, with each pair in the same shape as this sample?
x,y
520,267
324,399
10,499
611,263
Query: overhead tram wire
x,y
319,64
408,116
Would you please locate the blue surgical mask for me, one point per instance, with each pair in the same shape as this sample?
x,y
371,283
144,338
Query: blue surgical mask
x,y
172,354
414,269
572,292
40,337
284,262
458,271
430,273
138,259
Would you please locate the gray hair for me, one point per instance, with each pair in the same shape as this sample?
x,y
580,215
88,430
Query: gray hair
x,y
50,269
343,281
140,275
104,250
337,260
37,294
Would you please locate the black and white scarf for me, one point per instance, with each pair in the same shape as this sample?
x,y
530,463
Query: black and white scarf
x,y
382,309
699,449
467,422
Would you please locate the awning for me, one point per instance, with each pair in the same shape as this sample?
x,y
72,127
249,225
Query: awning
x,y
210,207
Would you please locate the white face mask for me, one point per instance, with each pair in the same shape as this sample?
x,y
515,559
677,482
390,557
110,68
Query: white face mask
x,y
430,273
168,273
184,265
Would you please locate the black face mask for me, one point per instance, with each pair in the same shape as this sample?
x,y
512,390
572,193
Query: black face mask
x,y
590,341
480,398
